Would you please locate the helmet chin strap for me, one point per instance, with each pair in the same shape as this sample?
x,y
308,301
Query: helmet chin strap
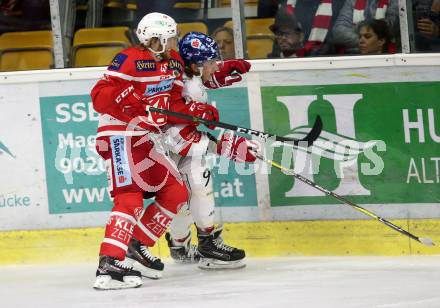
x,y
163,42
157,53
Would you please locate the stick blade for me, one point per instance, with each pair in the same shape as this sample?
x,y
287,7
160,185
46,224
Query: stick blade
x,y
314,132
426,241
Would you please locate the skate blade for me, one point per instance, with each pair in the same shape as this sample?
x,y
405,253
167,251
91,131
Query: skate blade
x,y
186,261
105,282
147,272
213,264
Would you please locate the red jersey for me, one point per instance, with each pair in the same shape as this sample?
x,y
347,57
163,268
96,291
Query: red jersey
x,y
138,67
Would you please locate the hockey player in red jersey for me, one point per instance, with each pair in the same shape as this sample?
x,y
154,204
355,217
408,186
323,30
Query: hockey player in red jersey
x,y
129,139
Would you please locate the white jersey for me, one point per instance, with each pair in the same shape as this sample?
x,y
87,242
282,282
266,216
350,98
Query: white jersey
x,y
192,149
194,90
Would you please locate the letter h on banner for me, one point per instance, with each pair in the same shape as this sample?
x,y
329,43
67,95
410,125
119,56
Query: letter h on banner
x,y
343,105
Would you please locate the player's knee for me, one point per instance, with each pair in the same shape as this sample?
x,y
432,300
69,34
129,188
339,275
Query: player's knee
x,y
179,195
130,202
183,194
173,196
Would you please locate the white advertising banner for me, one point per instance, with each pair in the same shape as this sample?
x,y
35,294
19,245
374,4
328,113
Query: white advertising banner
x,y
53,178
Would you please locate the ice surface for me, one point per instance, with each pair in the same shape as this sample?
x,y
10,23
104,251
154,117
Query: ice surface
x,y
270,282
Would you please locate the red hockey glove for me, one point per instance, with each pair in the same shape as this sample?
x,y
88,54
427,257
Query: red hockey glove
x,y
130,101
239,65
229,72
236,148
204,111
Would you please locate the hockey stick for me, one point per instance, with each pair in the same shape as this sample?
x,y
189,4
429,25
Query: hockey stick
x,y
307,140
424,240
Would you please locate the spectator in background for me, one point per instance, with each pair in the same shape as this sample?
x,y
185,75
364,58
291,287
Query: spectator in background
x,y
426,15
355,11
374,37
315,16
289,36
224,38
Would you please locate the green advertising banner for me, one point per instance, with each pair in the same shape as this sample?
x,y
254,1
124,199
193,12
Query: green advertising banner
x,y
395,128
75,173
234,184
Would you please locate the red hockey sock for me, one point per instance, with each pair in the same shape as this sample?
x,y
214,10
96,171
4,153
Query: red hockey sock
x,y
153,224
121,224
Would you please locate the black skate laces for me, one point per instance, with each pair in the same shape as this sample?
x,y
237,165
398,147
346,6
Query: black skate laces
x,y
147,253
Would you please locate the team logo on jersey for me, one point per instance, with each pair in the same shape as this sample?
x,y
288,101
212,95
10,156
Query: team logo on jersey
x,y
121,169
117,62
195,43
162,86
164,67
4,148
145,65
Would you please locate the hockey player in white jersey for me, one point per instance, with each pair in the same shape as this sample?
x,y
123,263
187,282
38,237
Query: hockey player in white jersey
x,y
193,150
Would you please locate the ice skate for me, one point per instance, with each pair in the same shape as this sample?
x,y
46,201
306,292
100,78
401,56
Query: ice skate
x,y
149,265
214,254
113,274
182,252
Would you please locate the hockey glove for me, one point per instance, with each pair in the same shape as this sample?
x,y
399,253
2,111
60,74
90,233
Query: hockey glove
x,y
130,101
236,148
229,72
204,111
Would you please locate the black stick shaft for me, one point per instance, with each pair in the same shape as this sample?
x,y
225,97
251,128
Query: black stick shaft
x,y
312,136
348,202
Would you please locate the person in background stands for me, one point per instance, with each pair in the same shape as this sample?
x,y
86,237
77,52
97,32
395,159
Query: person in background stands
x,y
355,11
426,15
224,37
289,36
374,37
316,17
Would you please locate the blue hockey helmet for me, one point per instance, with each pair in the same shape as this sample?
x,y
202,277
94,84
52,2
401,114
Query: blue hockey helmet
x,y
198,47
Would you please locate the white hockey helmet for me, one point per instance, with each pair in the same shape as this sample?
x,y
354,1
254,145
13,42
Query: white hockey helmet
x,y
156,25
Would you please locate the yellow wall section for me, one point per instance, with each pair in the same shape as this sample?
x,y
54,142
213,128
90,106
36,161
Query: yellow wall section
x,y
305,238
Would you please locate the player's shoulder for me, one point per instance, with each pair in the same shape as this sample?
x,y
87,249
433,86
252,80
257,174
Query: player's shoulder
x,y
176,62
126,60
174,55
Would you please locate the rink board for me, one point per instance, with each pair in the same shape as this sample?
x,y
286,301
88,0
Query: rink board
x,y
262,239
52,177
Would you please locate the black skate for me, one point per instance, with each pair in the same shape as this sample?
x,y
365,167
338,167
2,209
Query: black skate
x,y
214,254
183,252
113,274
149,265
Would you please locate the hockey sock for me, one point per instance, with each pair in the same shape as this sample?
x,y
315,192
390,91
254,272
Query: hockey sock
x,y
153,223
120,225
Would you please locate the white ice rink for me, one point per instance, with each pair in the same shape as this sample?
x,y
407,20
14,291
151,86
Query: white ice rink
x,y
277,282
